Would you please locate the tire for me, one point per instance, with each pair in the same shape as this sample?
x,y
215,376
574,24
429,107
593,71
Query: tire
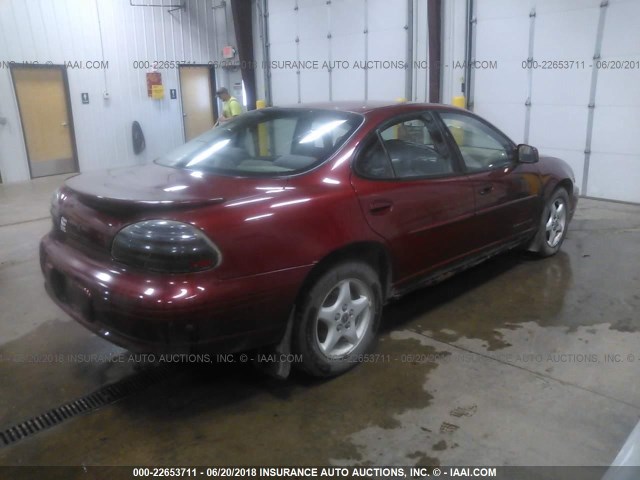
x,y
337,319
553,224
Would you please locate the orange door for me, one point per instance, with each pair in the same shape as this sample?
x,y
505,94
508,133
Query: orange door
x,y
46,120
197,100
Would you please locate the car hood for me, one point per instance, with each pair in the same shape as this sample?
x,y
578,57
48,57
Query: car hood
x,y
153,186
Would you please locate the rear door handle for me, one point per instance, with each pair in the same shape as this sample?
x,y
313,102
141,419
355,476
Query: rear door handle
x,y
380,207
486,189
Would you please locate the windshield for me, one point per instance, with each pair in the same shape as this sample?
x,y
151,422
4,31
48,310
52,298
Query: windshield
x,y
268,142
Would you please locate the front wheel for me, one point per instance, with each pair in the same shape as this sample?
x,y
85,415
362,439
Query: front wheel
x,y
337,319
553,224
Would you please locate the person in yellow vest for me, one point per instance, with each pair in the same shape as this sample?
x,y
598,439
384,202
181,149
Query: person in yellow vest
x,y
230,105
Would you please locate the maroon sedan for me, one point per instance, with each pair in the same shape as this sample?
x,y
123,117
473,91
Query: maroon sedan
x,y
291,227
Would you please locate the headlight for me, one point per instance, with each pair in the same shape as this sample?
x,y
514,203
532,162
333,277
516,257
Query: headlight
x,y
165,246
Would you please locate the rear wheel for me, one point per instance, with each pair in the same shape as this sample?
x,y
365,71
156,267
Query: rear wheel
x,y
553,224
337,319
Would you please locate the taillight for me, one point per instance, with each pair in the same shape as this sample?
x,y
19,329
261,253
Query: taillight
x,y
54,207
165,246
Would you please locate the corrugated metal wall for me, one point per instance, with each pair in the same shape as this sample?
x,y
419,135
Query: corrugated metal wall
x,y
348,35
61,31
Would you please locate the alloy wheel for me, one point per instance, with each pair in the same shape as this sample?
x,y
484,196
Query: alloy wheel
x,y
344,317
556,223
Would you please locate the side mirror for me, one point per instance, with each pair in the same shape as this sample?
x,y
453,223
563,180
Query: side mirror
x,y
527,154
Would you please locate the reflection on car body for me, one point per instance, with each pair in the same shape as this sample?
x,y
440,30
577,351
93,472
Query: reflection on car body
x,y
291,227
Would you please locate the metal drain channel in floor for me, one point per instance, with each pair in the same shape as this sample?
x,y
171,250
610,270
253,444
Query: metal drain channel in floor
x,y
104,396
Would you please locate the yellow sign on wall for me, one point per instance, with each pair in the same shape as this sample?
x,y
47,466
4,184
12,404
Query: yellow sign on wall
x,y
157,92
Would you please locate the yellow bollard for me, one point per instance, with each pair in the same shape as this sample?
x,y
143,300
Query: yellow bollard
x,y
456,130
396,128
459,101
263,138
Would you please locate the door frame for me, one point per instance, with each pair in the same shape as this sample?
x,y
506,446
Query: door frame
x,y
407,282
454,145
67,92
212,83
484,176
422,114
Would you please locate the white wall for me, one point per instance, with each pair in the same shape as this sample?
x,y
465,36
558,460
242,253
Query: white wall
x,y
335,31
557,122
454,13
614,167
60,31
505,34
258,48
346,20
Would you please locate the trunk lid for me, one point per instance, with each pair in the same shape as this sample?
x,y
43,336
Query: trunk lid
x,y
92,207
153,186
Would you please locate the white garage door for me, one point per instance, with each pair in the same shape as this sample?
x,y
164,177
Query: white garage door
x,y
347,34
548,90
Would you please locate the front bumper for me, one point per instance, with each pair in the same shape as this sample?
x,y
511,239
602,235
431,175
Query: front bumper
x,y
168,313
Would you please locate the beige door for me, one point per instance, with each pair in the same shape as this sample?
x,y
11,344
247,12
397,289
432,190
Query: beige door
x,y
197,101
42,100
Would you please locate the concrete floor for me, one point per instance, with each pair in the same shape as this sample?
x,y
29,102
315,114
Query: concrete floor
x,y
501,365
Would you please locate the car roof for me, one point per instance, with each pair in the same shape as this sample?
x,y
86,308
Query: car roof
x,y
366,106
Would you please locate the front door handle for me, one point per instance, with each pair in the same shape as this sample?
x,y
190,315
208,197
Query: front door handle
x,y
380,207
486,189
